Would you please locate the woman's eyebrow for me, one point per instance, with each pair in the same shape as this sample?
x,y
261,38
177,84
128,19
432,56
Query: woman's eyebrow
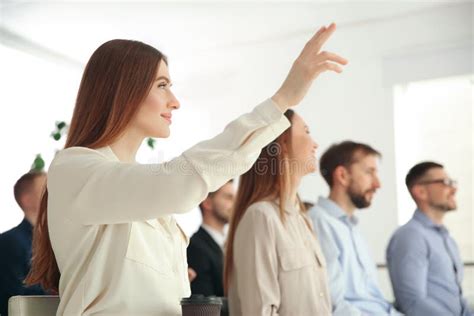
x,y
163,78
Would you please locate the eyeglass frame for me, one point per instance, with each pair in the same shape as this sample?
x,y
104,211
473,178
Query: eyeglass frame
x,y
446,181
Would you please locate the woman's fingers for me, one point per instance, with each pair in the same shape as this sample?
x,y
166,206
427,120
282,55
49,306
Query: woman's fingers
x,y
308,49
328,66
322,38
328,56
309,64
322,61
315,36
313,46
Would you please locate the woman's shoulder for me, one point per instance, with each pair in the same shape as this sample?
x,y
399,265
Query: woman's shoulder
x,y
75,161
263,204
265,209
81,154
260,217
78,151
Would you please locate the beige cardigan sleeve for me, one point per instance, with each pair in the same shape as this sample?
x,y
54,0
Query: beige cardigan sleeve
x,y
92,189
255,257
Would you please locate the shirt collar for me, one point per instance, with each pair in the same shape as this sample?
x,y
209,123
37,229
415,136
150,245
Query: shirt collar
x,y
426,221
26,225
216,235
336,211
108,152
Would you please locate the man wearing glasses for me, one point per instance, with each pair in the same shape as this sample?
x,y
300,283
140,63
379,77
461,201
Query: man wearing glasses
x,y
423,260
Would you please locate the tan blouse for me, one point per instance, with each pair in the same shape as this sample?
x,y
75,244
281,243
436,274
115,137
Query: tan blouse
x,y
279,269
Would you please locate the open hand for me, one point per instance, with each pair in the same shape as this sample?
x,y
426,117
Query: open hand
x,y
310,64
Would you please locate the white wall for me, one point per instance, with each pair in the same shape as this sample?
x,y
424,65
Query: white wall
x,y
363,109
433,121
356,105
34,95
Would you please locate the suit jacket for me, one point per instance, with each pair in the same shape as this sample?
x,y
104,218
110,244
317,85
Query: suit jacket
x,y
207,259
15,257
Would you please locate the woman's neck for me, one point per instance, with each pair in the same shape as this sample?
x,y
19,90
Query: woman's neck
x,y
127,145
294,185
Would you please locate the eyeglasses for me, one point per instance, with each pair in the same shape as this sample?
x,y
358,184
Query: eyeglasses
x,y
447,182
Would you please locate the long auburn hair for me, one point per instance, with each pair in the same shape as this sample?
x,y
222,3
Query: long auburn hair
x,y
269,178
116,80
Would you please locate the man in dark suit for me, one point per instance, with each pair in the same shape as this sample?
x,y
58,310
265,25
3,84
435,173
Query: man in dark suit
x,y
15,244
205,251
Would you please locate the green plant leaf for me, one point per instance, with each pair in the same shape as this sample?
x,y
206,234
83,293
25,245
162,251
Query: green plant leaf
x,y
38,164
151,142
56,135
61,125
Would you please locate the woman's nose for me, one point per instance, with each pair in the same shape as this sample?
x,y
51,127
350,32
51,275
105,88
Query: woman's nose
x,y
174,103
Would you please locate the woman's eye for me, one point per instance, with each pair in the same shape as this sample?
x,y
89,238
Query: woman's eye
x,y
162,85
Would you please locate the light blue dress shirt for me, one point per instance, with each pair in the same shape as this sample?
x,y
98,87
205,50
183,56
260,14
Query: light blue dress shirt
x,y
426,269
351,270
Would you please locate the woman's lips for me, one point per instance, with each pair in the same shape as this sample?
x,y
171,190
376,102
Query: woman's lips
x,y
167,117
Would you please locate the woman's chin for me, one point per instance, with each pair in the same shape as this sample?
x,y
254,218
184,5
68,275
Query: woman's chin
x,y
161,134
310,171
310,167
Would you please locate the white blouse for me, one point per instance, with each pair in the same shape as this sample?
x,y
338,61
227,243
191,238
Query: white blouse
x,y
119,250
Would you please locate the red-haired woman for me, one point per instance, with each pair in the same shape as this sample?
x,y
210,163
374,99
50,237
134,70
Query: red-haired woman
x,y
274,264
106,239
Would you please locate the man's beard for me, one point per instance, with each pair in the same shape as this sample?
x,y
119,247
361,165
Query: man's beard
x,y
358,199
218,215
444,207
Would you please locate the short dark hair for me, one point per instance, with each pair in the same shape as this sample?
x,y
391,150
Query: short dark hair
x,y
25,184
212,193
418,171
342,154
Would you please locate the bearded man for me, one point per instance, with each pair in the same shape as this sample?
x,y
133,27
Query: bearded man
x,y
205,251
423,259
351,171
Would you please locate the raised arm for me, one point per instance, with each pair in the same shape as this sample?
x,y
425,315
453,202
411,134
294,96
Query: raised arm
x,y
97,190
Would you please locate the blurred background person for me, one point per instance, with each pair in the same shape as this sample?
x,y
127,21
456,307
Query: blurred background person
x,y
15,244
205,250
351,171
425,266
274,264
